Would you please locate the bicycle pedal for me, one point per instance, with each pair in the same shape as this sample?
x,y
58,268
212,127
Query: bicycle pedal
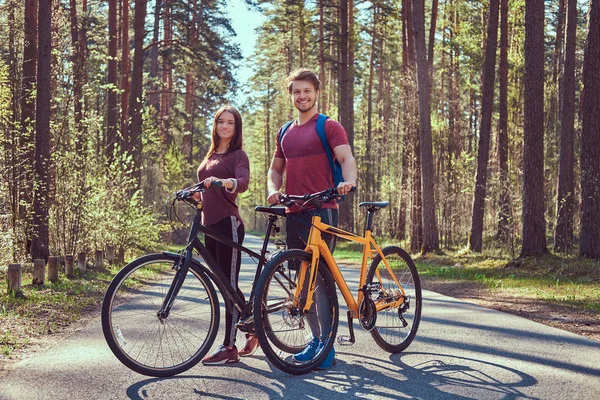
x,y
344,340
246,325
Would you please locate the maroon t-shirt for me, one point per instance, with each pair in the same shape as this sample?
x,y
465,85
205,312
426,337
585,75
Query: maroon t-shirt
x,y
220,203
307,168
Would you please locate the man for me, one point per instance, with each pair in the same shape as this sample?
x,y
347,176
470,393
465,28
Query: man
x,y
301,156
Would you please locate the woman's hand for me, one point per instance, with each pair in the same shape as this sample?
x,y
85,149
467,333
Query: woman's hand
x,y
227,183
208,181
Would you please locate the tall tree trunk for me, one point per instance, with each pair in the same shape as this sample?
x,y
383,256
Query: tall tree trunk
x,y
555,90
302,33
483,152
430,231
40,240
190,88
78,77
125,67
166,102
534,223
434,13
324,88
563,235
504,199
26,139
370,165
346,92
589,239
134,136
10,145
154,97
404,172
111,101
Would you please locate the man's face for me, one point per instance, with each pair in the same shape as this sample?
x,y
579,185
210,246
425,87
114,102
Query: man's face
x,y
304,95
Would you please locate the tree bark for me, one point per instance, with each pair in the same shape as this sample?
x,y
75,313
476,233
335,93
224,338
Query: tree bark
x,y
369,185
555,90
26,139
78,79
111,98
589,239
430,231
324,89
134,135
346,93
125,67
504,199
487,104
40,240
534,223
563,235
154,97
434,13
190,88
166,101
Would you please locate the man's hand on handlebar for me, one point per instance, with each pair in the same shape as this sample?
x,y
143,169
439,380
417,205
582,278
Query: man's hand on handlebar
x,y
345,187
274,198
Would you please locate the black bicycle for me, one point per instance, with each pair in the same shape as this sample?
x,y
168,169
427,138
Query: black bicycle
x,y
160,314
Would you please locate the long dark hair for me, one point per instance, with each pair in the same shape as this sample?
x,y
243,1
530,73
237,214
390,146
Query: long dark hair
x,y
237,141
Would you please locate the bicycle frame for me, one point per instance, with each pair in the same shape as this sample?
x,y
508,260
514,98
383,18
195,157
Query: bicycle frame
x,y
319,248
233,297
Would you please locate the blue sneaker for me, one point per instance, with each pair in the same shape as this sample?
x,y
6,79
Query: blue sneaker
x,y
308,353
329,361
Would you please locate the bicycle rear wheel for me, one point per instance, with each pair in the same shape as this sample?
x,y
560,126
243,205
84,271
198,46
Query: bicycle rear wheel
x,y
282,328
159,346
396,328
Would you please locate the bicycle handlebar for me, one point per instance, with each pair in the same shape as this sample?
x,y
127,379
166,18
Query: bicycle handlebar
x,y
289,200
188,192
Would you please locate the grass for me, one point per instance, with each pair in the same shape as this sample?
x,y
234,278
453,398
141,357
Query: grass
x,y
565,280
47,309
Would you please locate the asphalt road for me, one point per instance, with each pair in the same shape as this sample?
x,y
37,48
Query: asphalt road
x,y
462,351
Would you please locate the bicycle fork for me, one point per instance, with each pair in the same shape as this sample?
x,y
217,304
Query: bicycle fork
x,y
181,267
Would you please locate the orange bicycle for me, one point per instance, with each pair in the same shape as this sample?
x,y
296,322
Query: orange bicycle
x,y
296,304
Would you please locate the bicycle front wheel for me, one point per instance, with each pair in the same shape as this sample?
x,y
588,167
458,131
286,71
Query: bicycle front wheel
x,y
395,327
283,329
147,341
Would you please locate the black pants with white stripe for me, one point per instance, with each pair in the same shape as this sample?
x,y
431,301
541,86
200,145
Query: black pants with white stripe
x,y
229,260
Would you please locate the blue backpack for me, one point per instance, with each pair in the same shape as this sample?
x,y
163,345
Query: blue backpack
x,y
336,168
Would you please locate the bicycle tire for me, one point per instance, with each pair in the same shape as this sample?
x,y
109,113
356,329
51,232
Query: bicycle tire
x,y
135,334
283,330
388,333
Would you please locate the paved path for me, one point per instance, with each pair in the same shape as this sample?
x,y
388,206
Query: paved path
x,y
462,351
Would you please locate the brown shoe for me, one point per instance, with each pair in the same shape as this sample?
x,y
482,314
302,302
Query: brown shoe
x,y
250,346
223,355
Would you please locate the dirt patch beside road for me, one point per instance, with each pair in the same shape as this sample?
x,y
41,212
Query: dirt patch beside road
x,y
581,322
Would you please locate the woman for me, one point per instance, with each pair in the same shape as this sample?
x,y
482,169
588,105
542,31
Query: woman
x,y
227,163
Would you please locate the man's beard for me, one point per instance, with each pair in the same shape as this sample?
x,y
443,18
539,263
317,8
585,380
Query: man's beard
x,y
306,107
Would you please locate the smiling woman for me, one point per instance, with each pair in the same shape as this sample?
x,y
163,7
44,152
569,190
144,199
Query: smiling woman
x,y
227,164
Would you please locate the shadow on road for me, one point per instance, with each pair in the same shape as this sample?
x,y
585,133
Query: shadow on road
x,y
440,377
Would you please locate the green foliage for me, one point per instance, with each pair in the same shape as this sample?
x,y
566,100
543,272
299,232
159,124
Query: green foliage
x,y
114,212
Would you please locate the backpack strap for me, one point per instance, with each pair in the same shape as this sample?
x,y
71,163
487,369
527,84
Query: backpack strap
x,y
321,132
284,129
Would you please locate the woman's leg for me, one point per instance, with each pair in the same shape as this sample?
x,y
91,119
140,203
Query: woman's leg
x,y
229,260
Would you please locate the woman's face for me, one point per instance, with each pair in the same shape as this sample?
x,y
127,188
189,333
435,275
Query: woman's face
x,y
226,126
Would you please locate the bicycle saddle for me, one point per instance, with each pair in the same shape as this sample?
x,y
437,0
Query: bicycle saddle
x,y
280,211
374,204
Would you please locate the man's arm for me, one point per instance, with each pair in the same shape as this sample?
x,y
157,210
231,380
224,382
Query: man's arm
x,y
343,153
275,179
